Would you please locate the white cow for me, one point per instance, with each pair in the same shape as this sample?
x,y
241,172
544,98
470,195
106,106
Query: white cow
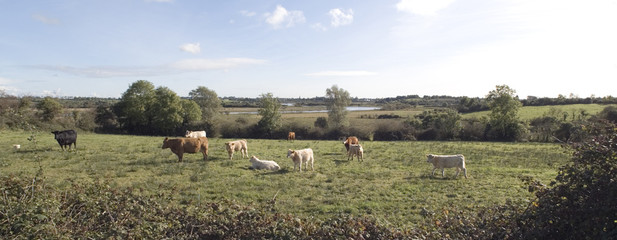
x,y
195,134
447,161
355,150
239,145
263,164
301,156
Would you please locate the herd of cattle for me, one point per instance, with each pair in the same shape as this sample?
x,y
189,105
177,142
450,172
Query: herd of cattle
x,y
196,141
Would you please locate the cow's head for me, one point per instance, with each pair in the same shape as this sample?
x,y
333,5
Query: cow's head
x,y
165,143
229,145
429,157
290,153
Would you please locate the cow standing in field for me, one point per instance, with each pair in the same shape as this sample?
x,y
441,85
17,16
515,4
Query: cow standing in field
x,y
179,146
291,136
355,150
447,161
195,134
349,141
239,145
66,138
301,156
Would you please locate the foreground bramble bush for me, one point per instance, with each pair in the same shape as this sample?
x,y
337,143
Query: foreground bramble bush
x,y
29,209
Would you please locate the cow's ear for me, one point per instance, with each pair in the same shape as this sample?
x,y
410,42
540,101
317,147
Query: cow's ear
x,y
166,139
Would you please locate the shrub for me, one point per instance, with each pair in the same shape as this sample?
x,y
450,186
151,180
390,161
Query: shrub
x,y
581,202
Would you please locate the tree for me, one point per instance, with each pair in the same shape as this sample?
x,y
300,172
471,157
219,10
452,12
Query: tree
x,y
270,115
503,119
208,101
337,100
49,108
190,111
166,111
132,110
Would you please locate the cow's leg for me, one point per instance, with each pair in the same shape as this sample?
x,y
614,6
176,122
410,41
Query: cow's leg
x,y
433,173
458,170
465,172
443,172
180,156
312,167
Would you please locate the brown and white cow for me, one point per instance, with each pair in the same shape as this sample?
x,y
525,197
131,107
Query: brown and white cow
x,y
291,136
179,146
349,141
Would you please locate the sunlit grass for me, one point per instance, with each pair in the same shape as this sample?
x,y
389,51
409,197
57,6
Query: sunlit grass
x,y
393,183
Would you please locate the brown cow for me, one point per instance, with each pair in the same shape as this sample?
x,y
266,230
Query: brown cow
x,y
291,136
179,146
349,141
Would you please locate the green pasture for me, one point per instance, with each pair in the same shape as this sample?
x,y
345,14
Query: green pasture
x,y
530,112
393,183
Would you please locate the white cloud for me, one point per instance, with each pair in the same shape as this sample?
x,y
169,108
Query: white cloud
x,y
247,13
46,20
341,17
191,48
181,66
212,64
342,74
5,86
283,18
319,27
423,7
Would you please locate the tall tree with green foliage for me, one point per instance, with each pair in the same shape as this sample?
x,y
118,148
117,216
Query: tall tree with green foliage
x,y
132,110
503,119
49,108
166,111
208,101
337,100
191,112
270,114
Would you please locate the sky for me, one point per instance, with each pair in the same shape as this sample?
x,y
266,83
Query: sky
x,y
294,48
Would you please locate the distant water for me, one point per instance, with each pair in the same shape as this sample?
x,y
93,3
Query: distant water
x,y
351,108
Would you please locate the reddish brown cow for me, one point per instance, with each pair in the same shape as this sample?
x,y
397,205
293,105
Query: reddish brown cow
x,y
349,141
291,136
179,146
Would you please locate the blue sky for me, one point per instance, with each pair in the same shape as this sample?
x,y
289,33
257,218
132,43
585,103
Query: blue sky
x,y
300,48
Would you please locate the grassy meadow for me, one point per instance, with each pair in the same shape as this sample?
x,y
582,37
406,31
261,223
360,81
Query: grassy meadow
x,y
393,183
530,112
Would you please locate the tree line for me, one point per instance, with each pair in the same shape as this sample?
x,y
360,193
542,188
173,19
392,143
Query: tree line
x,y
145,109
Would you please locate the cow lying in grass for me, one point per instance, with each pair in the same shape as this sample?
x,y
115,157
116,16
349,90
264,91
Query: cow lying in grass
x,y
447,161
179,146
263,164
239,145
355,150
301,156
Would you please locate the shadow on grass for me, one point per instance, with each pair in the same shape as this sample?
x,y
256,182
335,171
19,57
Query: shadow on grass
x,y
339,162
270,172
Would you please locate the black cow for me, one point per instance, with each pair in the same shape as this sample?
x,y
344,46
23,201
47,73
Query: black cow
x,y
66,138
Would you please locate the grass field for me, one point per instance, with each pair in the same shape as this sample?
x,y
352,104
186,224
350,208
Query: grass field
x,y
530,112
393,183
